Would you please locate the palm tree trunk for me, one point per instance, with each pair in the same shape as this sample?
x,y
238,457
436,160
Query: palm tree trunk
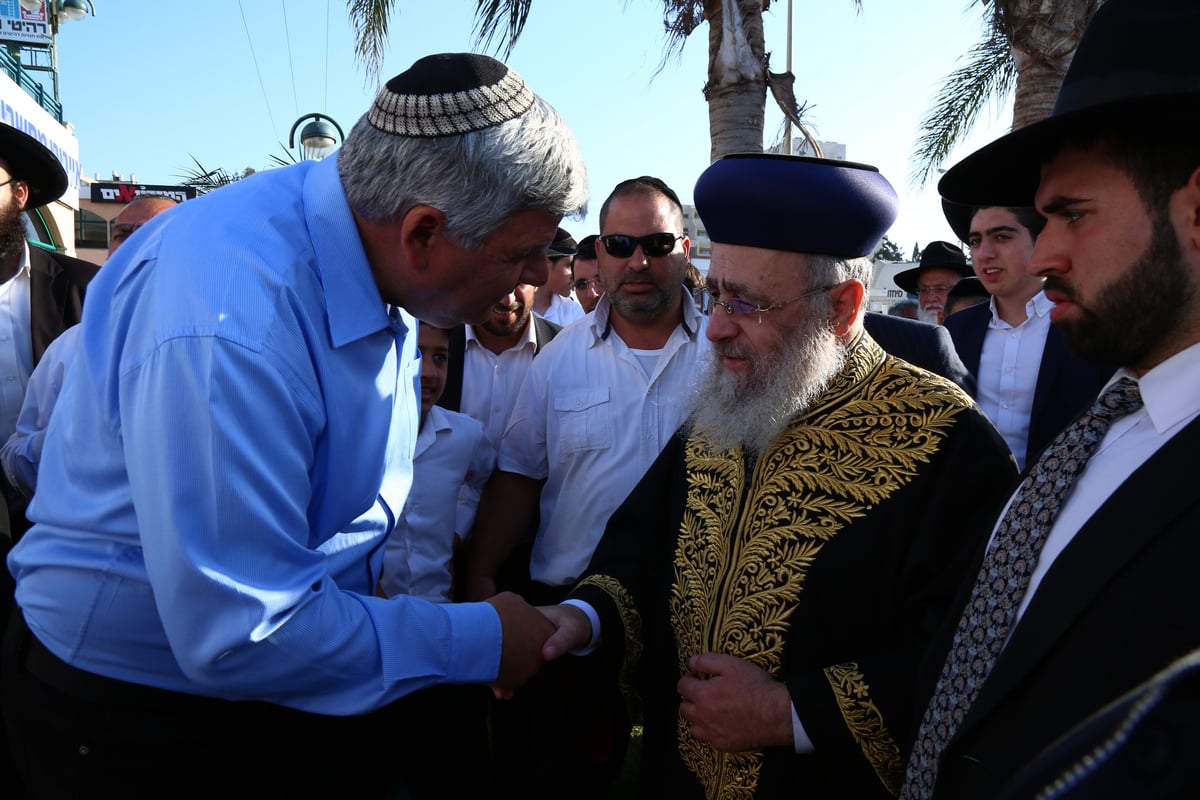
x,y
737,84
1044,35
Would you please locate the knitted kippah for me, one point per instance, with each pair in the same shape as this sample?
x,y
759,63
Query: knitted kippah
x,y
449,94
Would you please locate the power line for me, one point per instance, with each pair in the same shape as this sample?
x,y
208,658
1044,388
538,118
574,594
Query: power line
x,y
291,62
326,103
266,99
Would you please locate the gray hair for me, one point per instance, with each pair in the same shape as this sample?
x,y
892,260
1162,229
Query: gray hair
x,y
476,179
825,270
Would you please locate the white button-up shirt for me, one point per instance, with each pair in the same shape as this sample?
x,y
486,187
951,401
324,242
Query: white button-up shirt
x,y
590,420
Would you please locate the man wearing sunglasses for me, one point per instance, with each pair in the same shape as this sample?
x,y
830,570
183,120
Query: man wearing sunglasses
x,y
774,575
600,403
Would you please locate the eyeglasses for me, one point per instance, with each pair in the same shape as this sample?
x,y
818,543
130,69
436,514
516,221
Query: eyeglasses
x,y
584,283
653,244
940,288
10,180
745,308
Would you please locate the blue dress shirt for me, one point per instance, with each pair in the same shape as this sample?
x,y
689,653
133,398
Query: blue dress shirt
x,y
229,452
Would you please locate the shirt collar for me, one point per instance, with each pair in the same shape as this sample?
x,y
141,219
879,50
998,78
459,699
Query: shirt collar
x,y
528,336
1037,306
356,309
601,318
1169,389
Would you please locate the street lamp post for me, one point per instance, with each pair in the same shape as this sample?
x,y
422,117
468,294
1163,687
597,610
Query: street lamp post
x,y
318,138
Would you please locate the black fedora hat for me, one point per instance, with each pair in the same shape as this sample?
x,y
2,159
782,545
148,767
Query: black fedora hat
x,y
959,215
970,287
30,162
940,255
1136,60
562,246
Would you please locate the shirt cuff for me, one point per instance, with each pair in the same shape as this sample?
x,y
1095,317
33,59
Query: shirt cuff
x,y
800,739
593,618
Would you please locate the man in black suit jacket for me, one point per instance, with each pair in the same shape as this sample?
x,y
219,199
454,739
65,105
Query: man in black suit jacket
x,y
1026,381
1116,171
30,177
922,344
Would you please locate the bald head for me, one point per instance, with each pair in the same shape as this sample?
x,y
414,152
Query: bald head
x,y
134,216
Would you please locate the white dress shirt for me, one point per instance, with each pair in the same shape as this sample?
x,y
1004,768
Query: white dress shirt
x,y
452,463
590,421
562,310
491,381
1170,403
16,346
1008,371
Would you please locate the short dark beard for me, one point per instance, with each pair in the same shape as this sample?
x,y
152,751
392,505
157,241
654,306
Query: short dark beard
x,y
12,231
1138,312
510,330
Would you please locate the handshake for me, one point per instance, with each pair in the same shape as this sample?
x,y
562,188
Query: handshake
x,y
533,636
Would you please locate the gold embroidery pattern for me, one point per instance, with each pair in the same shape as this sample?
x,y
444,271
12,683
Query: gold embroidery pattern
x,y
743,553
631,620
866,723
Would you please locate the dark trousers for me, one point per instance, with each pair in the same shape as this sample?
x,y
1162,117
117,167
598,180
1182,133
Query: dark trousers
x,y
568,726
75,734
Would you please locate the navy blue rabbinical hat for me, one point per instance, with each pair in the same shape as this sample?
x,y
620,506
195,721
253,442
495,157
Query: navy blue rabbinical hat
x,y
794,203
32,163
1136,61
942,255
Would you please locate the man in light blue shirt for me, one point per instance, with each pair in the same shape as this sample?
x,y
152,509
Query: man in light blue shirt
x,y
234,444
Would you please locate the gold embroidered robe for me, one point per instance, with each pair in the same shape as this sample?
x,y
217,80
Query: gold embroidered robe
x,y
828,561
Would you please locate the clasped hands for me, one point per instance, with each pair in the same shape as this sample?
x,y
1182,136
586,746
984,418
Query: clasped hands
x,y
729,702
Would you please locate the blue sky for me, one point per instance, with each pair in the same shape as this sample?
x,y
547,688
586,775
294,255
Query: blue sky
x,y
149,86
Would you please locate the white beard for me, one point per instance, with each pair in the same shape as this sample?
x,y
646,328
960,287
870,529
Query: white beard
x,y
751,412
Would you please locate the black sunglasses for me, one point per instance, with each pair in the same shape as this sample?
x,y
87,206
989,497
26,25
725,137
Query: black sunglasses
x,y
653,244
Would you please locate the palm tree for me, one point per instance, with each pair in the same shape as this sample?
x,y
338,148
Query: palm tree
x,y
1025,51
738,65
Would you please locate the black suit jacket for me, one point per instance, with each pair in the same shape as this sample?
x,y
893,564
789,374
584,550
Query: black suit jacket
x,y
1145,745
921,344
1066,386
543,331
56,288
1115,607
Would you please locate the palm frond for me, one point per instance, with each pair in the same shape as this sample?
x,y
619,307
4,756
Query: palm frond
x,y
989,74
500,20
680,18
370,20
205,180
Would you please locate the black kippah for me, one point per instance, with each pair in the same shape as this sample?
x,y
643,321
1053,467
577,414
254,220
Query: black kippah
x,y
449,94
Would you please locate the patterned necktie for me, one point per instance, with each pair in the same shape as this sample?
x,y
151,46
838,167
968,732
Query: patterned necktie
x,y
1003,579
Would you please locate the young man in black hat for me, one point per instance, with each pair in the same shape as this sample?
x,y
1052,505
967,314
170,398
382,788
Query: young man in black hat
x,y
942,265
1088,585
770,583
553,301
234,445
1026,381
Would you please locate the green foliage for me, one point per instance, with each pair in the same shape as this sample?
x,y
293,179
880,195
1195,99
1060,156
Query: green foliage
x,y
916,253
205,180
989,73
888,251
